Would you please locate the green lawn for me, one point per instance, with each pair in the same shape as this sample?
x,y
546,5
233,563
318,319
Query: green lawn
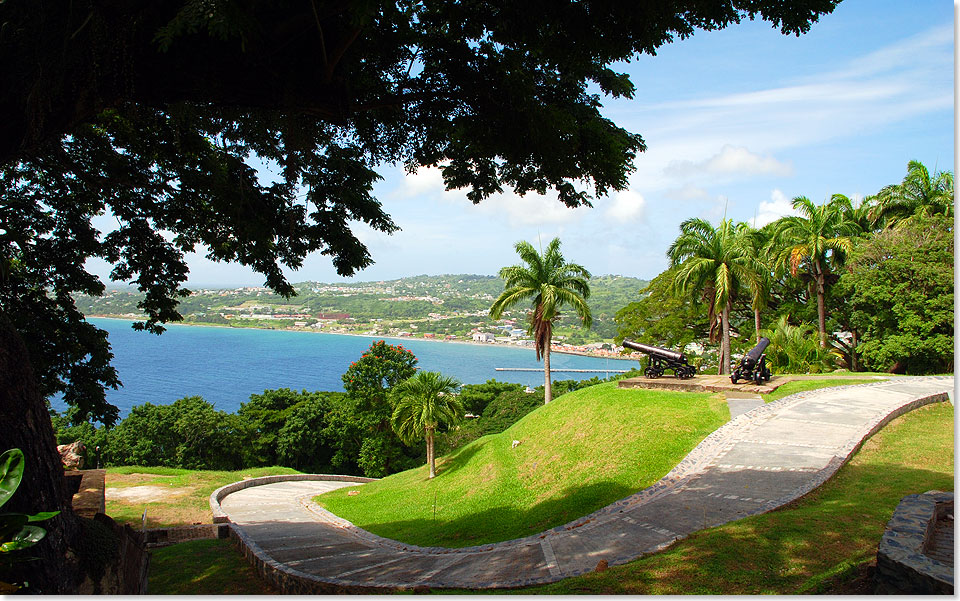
x,y
579,453
176,497
812,384
202,567
809,546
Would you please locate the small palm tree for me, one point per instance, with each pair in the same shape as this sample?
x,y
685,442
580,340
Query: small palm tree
x,y
917,194
550,283
427,401
821,236
714,263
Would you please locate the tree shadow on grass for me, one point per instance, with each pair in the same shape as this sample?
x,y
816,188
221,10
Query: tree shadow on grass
x,y
797,548
504,522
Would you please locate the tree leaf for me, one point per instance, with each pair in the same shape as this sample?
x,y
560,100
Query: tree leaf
x,y
11,471
43,515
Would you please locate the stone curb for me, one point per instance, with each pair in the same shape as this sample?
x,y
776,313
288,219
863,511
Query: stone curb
x,y
902,565
694,464
219,517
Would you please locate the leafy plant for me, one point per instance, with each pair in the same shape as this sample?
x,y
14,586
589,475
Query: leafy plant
x,y
796,349
16,531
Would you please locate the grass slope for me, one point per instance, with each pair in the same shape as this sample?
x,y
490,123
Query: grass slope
x,y
579,453
177,497
809,546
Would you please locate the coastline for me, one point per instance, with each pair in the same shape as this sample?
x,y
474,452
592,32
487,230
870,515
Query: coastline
x,y
369,336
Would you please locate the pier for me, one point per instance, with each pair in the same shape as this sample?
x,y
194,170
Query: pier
x,y
553,371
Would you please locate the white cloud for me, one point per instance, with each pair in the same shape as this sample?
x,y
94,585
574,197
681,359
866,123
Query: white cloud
x,y
769,211
688,192
626,206
731,161
427,181
529,209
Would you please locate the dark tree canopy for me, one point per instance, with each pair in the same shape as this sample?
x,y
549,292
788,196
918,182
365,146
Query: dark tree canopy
x,y
160,113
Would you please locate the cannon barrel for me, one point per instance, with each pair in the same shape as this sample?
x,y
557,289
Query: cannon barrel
x,y
654,350
751,358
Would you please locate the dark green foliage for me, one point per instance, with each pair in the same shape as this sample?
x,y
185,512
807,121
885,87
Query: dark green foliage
x,y
476,397
189,434
302,442
263,417
900,287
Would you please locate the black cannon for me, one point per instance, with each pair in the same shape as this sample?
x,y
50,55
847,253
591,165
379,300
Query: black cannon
x,y
753,366
662,359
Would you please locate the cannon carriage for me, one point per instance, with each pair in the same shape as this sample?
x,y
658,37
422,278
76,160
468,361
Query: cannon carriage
x,y
753,365
662,359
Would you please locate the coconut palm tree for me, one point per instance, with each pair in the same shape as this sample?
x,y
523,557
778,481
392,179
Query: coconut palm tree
x,y
426,401
713,262
814,240
550,283
918,193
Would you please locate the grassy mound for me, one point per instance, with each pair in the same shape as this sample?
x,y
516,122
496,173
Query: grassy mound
x,y
579,453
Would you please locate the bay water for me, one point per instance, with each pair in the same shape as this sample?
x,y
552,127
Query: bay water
x,y
226,365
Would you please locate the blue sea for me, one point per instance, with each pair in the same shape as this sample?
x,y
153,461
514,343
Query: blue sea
x,y
226,365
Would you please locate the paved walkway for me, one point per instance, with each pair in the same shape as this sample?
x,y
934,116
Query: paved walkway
x,y
756,462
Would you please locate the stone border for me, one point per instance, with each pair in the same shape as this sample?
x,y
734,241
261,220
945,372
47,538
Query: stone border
x,y
219,517
902,566
162,537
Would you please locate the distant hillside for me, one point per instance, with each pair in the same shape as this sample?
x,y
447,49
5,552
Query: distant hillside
x,y
450,305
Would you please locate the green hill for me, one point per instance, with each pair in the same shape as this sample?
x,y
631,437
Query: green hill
x,y
579,453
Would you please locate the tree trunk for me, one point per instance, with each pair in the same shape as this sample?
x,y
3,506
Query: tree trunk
x,y
430,458
854,359
26,426
821,307
756,322
547,382
725,363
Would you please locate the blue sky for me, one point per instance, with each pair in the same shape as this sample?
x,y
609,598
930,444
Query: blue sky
x,y
741,120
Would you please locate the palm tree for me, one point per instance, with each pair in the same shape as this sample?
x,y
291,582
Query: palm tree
x,y
761,277
427,401
550,283
817,238
918,193
713,262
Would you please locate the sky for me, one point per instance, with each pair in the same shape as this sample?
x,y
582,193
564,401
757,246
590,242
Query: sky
x,y
736,122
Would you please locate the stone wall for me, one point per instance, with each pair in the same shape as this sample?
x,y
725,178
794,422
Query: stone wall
x,y
161,537
903,567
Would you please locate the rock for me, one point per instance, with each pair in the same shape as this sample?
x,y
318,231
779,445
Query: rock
x,y
602,566
71,455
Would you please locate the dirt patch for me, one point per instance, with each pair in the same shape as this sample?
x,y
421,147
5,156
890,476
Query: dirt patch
x,y
134,479
145,494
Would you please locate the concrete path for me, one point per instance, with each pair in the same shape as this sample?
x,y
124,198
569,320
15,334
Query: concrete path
x,y
742,402
756,462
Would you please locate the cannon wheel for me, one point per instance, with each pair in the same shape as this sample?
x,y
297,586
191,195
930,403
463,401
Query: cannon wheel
x,y
735,376
686,372
652,372
766,374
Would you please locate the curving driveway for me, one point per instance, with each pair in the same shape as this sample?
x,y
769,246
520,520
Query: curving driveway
x,y
756,462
